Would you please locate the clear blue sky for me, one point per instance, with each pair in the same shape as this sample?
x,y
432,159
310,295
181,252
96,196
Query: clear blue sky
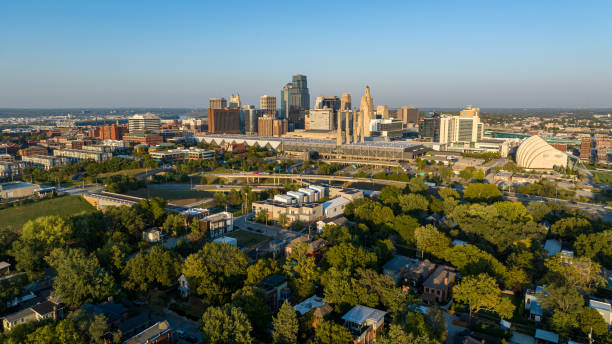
x,y
424,53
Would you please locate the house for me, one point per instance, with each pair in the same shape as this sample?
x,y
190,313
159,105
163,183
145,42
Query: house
x,y
5,268
217,225
314,247
159,333
113,312
552,247
437,287
395,267
315,304
417,272
276,290
40,311
183,286
546,337
604,308
532,303
335,207
364,322
152,235
338,221
227,240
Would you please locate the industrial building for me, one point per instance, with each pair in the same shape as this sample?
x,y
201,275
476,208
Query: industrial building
x,y
13,190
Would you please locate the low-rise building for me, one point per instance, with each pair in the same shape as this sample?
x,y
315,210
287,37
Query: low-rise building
x,y
364,323
12,190
546,337
395,267
152,235
604,308
533,300
317,305
337,221
335,207
227,240
521,178
437,288
40,311
216,225
275,290
9,169
159,333
5,268
44,162
181,154
82,154
308,212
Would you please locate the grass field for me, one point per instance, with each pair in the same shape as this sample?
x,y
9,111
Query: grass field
x,y
603,177
247,238
129,173
182,195
15,217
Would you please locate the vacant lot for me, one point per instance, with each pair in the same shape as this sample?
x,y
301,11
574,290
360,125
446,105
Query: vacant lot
x,y
15,217
247,238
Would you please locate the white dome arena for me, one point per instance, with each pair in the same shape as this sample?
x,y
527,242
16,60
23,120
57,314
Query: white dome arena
x,y
535,153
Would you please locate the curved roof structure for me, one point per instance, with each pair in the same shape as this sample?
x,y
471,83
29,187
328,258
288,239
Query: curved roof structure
x,y
534,152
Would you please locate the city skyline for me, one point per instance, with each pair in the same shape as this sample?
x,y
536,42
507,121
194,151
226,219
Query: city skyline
x,y
548,54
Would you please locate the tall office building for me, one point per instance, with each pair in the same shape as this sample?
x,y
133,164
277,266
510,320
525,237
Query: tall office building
x,y
267,104
140,123
269,126
234,101
251,116
295,101
321,119
382,111
408,114
585,148
224,121
367,112
465,128
345,102
217,103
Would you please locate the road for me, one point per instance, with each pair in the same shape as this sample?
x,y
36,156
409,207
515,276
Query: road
x,y
79,190
251,175
596,209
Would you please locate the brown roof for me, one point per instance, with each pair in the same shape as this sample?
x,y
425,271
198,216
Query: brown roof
x,y
442,277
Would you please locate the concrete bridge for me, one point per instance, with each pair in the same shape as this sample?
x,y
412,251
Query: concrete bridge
x,y
250,177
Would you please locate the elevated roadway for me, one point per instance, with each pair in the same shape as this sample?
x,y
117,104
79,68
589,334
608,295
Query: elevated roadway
x,y
250,177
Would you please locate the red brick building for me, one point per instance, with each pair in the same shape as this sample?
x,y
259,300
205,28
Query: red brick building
x,y
224,121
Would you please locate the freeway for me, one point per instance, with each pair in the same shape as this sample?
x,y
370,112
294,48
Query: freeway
x,y
597,209
301,177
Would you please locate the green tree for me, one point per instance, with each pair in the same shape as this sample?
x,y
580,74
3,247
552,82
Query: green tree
x,y
591,321
405,226
303,270
538,210
571,227
175,224
216,271
430,240
261,269
482,293
347,256
577,272
417,184
329,332
446,193
251,300
79,277
285,325
480,192
283,219
226,325
220,199
396,335
413,202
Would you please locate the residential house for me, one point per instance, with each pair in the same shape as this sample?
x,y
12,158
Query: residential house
x,y
152,235
364,322
314,247
5,268
40,311
114,312
338,221
417,272
315,304
437,288
183,286
395,267
604,308
552,247
159,333
276,290
217,225
533,298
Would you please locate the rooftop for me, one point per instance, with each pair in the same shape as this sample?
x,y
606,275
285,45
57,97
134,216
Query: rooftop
x,y
547,335
272,281
309,304
359,314
16,185
442,276
397,263
150,333
604,306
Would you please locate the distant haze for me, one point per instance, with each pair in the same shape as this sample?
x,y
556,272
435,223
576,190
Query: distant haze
x,y
443,54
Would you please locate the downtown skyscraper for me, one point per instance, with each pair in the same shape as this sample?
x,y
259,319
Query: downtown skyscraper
x,y
295,101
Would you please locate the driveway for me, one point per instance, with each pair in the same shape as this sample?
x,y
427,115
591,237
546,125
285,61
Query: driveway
x,y
178,322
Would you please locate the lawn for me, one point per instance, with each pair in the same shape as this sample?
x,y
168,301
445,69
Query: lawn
x,y
15,217
602,177
247,238
183,195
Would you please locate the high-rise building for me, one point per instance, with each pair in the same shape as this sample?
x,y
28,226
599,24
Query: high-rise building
x,y
144,122
109,132
269,126
217,103
585,148
295,101
469,112
367,112
408,114
465,128
267,104
251,116
224,121
382,111
234,101
345,102
321,119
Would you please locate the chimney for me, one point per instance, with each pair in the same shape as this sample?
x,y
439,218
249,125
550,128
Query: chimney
x,y
446,281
